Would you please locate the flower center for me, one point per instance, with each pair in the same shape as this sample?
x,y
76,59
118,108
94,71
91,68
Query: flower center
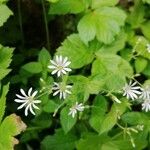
x,y
30,99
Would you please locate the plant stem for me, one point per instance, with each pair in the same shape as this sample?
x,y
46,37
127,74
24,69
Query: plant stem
x,y
20,21
46,25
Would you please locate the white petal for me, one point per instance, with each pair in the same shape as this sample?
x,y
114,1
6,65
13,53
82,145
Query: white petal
x,y
55,93
21,97
23,92
36,102
67,91
26,110
21,106
59,73
29,92
53,62
35,106
64,95
54,71
67,64
67,69
20,101
65,60
52,67
31,110
61,94
63,71
34,93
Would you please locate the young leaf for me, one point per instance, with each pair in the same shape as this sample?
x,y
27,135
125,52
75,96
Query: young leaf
x,y
10,127
5,59
33,67
145,29
5,13
59,140
66,120
78,53
67,6
103,23
44,58
3,101
100,3
140,64
99,109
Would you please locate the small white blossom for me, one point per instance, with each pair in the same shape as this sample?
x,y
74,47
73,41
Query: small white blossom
x,y
131,90
146,105
75,108
60,66
28,101
145,94
61,89
148,48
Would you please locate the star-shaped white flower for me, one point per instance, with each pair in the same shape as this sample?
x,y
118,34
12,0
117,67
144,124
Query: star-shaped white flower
x,y
62,89
145,94
148,48
60,65
146,105
131,90
28,101
74,109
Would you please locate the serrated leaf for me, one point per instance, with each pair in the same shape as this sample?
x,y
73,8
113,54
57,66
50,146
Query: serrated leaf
x,y
67,121
98,111
44,58
78,53
103,23
10,127
3,101
67,6
100,3
5,13
59,140
33,67
140,64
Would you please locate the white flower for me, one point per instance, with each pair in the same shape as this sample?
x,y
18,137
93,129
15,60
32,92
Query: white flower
x,y
28,101
145,94
60,66
61,89
148,47
131,91
146,105
75,108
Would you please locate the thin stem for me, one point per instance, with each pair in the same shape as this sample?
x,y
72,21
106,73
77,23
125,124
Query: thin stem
x,y
20,21
46,25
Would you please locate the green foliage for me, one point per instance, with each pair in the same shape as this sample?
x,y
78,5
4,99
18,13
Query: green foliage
x,y
5,13
66,120
103,23
67,6
59,139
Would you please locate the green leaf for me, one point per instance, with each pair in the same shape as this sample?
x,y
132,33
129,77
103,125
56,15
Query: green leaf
x,y
66,120
5,60
135,118
67,6
111,118
100,3
5,13
78,53
145,29
3,101
136,17
110,72
10,127
59,140
50,106
140,64
146,1
33,67
44,58
102,23
99,109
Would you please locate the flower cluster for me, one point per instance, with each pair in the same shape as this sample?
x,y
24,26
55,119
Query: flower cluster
x,y
134,91
60,66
